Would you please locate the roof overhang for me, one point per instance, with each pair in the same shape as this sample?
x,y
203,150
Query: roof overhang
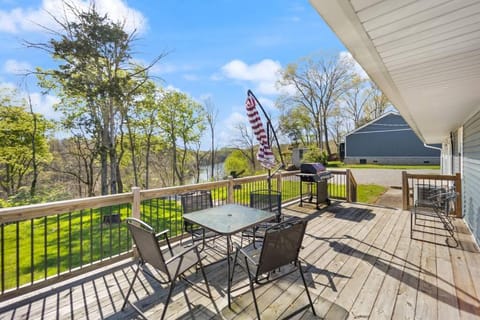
x,y
424,55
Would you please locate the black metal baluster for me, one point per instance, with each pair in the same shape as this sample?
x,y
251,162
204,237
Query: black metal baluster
x,y
45,247
91,236
17,267
81,238
32,249
2,230
69,241
58,244
110,232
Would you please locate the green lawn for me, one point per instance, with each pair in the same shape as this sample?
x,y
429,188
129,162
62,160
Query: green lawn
x,y
369,193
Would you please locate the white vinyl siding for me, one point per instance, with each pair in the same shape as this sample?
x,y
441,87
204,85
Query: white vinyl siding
x,y
471,174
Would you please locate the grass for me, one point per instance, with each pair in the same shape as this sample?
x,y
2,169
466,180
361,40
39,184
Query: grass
x,y
369,193
339,164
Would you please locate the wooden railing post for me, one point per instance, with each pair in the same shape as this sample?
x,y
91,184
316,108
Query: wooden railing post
x,y
405,191
351,186
231,190
347,185
458,189
136,202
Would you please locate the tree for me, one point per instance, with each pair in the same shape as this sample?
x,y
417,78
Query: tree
x,y
318,84
238,163
23,143
296,124
211,113
181,122
378,103
356,99
95,80
245,144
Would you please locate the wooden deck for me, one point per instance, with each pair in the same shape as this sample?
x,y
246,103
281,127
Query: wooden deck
x,y
360,263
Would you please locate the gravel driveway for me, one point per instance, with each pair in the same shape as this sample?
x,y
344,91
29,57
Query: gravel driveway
x,y
385,177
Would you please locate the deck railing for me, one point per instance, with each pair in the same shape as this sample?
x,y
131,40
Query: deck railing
x,y
416,186
42,244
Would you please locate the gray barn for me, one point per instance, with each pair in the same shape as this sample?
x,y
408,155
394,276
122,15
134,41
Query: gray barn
x,y
388,140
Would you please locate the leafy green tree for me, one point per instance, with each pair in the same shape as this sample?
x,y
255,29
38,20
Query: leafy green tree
x,y
296,124
23,143
181,122
244,142
237,162
95,80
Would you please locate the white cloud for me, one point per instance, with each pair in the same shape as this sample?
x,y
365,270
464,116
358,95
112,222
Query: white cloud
x,y
31,19
43,104
228,128
356,66
17,67
263,75
7,85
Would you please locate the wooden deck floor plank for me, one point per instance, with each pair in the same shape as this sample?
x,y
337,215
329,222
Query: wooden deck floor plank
x,y
358,244
355,267
396,256
383,305
356,253
466,291
365,301
267,296
426,303
326,232
338,270
446,298
338,260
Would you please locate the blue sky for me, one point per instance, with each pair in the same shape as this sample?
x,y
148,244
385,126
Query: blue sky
x,y
217,48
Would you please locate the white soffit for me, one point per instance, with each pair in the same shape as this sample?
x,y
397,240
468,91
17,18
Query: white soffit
x,y
425,55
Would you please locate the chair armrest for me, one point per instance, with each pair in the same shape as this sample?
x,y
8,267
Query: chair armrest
x,y
165,234
182,253
162,233
243,252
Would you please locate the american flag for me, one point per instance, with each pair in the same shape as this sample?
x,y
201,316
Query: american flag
x,y
264,155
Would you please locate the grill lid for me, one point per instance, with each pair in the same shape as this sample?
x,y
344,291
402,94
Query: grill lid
x,y
313,168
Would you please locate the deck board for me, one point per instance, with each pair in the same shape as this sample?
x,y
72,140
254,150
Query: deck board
x,y
359,262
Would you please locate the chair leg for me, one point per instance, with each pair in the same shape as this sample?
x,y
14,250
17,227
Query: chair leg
x,y
306,288
252,289
131,287
206,281
169,296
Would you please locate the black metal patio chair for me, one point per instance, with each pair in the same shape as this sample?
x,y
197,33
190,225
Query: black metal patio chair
x,y
442,203
171,262
280,247
194,201
268,200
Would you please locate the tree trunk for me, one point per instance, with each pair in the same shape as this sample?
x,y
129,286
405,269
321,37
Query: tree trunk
x,y
33,185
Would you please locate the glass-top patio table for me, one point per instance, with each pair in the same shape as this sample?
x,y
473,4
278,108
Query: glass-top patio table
x,y
228,220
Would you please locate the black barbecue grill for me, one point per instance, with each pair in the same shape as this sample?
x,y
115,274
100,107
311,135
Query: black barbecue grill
x,y
314,174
